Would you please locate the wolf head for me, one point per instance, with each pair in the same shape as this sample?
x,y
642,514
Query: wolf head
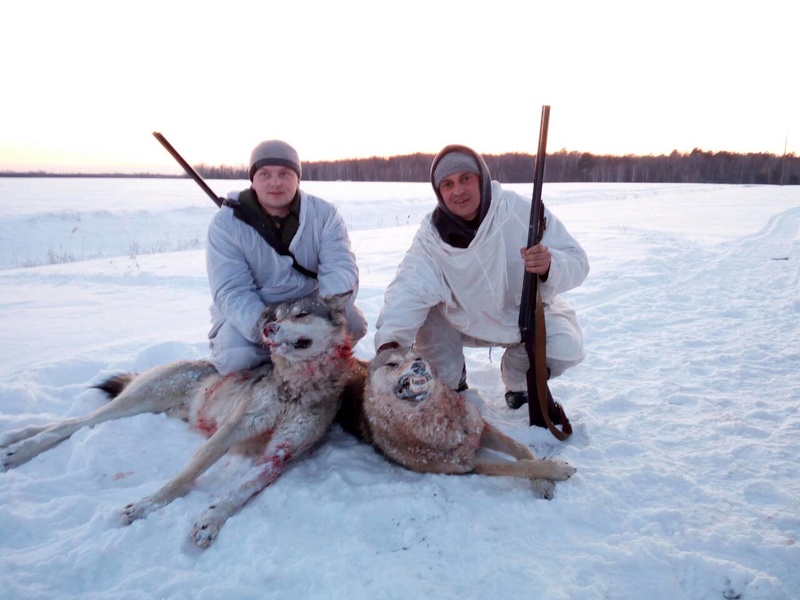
x,y
402,372
306,328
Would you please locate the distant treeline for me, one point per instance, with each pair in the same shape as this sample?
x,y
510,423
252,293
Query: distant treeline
x,y
697,166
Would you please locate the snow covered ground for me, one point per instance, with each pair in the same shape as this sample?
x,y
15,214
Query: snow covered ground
x,y
686,411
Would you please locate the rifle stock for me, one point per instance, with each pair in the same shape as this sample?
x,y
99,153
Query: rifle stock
x,y
531,310
188,168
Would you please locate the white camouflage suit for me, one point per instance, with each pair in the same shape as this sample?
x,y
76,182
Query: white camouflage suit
x,y
245,274
444,298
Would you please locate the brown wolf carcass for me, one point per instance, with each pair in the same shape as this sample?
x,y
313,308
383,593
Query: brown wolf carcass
x,y
417,422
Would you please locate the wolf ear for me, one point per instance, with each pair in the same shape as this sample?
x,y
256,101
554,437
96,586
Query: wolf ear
x,y
339,300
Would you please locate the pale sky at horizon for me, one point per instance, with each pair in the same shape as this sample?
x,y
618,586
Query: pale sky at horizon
x,y
87,82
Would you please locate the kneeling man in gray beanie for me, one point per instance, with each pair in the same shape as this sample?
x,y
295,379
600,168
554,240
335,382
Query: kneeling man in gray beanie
x,y
245,272
460,283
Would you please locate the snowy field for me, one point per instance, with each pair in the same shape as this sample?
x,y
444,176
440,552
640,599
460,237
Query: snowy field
x,y
686,411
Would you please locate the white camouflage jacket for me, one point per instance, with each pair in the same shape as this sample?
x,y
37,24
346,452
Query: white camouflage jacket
x,y
479,287
245,273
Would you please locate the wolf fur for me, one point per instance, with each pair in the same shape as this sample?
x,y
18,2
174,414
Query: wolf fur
x,y
417,422
277,411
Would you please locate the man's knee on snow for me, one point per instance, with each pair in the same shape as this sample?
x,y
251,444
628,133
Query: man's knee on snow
x,y
558,367
356,325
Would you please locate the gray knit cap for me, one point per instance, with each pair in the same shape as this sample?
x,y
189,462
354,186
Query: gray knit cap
x,y
274,152
454,162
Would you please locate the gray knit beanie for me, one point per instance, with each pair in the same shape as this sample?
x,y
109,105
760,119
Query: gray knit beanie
x,y
274,152
454,162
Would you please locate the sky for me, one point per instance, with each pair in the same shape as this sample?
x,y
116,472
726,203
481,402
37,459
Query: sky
x,y
87,82
685,412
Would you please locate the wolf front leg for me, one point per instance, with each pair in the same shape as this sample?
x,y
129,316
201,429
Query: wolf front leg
x,y
536,468
494,439
206,455
268,468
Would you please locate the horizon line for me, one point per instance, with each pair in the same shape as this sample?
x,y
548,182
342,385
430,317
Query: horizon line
x,y
155,174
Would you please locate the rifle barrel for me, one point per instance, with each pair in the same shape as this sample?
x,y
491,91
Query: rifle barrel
x,y
535,229
188,168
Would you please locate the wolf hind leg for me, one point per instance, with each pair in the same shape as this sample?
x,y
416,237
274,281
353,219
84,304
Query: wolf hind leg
x,y
17,435
31,441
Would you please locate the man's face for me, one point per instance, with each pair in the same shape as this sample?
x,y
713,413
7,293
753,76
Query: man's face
x,y
461,193
275,187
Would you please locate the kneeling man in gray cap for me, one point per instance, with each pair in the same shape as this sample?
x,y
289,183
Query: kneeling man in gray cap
x,y
460,283
270,243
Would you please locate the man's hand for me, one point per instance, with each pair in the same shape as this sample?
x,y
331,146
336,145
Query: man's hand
x,y
537,260
387,346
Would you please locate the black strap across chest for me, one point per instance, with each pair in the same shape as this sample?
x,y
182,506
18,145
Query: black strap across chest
x,y
258,221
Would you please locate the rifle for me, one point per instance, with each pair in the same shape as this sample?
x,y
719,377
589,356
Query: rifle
x,y
531,311
188,168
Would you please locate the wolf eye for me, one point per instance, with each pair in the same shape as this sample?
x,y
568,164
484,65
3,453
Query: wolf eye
x,y
301,314
393,364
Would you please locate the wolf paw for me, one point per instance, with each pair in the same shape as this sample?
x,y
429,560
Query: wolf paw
x,y
13,457
560,470
544,489
134,511
6,460
206,528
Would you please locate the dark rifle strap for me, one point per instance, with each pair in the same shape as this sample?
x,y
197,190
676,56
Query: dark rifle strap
x,y
540,370
258,222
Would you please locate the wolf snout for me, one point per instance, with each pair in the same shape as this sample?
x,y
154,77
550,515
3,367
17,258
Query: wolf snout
x,y
413,384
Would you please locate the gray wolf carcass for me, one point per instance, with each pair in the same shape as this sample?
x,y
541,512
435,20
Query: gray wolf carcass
x,y
417,422
276,411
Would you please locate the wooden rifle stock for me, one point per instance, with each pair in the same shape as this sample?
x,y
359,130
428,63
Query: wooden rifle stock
x,y
531,311
188,168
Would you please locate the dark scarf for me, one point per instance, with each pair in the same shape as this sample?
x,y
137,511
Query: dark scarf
x,y
454,230
286,227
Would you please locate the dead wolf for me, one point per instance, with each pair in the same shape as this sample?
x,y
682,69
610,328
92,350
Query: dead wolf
x,y
417,422
276,411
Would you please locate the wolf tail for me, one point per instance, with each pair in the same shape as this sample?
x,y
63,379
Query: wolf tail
x,y
114,385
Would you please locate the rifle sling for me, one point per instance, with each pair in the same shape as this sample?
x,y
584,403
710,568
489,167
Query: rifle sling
x,y
258,222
